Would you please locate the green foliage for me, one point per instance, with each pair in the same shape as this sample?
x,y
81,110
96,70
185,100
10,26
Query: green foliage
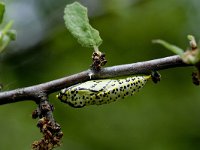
x,y
170,47
77,22
164,116
6,34
2,10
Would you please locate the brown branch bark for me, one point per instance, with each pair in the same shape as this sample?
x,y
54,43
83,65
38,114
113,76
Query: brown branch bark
x,y
33,92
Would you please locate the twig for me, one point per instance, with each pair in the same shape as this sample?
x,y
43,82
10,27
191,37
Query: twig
x,y
32,92
50,129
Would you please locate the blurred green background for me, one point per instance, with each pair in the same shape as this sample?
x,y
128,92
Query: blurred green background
x,y
165,116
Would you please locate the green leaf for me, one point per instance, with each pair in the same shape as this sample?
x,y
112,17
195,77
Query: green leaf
x,y
2,10
77,22
170,47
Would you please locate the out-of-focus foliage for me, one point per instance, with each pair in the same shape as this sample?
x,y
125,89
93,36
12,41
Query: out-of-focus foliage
x,y
163,116
6,34
2,10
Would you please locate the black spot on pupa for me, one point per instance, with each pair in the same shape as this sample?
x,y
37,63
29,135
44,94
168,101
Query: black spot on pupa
x,y
97,97
120,82
72,91
72,98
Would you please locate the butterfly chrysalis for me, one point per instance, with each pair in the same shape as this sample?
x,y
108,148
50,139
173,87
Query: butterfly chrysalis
x,y
97,92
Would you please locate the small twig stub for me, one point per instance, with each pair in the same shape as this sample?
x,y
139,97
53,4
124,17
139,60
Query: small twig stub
x,y
50,129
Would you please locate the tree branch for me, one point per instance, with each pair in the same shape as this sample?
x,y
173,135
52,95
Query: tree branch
x,y
33,92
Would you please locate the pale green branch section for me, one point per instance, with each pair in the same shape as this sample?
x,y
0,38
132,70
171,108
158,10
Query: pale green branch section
x,y
192,41
192,56
77,22
170,47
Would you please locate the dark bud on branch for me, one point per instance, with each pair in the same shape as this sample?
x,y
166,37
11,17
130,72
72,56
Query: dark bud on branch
x,y
155,75
35,114
196,78
98,60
